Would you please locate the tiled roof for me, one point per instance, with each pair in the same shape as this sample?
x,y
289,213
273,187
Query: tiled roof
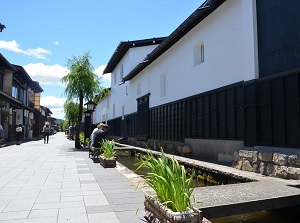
x,y
123,47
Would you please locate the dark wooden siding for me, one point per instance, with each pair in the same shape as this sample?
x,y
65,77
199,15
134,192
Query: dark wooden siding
x,y
278,36
291,101
142,118
123,127
277,90
166,122
239,112
217,114
263,112
278,113
275,101
250,114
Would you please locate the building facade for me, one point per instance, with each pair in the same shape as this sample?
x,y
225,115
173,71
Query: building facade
x,y
227,78
19,101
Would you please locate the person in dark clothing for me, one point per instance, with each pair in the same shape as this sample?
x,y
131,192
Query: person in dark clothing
x,y
1,135
46,131
99,135
19,133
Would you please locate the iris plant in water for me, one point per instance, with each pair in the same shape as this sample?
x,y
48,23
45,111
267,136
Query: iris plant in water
x,y
169,181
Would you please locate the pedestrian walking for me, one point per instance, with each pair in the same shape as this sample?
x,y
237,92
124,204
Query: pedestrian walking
x,y
1,135
46,131
71,132
19,133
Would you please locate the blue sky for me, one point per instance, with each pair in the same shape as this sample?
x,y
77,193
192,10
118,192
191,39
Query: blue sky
x,y
42,35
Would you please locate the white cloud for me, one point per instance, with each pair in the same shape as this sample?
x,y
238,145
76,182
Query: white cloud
x,y
56,43
51,74
13,46
46,74
38,53
106,77
99,70
56,105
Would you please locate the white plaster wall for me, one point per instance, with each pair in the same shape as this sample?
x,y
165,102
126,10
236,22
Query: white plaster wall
x,y
100,111
226,49
131,59
230,46
120,92
137,54
249,35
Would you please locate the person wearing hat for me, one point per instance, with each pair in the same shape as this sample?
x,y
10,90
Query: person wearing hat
x,y
19,133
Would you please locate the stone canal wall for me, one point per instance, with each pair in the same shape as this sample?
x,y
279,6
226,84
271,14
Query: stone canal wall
x,y
269,163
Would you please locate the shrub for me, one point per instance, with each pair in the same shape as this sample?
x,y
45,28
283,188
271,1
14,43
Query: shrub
x,y
169,181
107,148
82,140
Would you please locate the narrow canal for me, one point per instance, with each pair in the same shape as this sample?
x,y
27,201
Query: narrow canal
x,y
273,216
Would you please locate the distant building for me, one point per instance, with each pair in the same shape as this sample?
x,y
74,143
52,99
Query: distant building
x,y
19,101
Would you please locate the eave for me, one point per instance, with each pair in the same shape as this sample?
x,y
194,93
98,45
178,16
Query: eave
x,y
35,86
193,20
21,75
123,47
5,64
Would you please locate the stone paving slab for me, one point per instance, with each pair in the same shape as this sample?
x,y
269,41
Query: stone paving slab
x,y
55,183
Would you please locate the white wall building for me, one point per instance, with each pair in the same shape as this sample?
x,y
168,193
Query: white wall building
x,y
128,54
204,85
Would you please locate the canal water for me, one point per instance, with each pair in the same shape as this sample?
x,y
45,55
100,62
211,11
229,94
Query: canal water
x,y
273,216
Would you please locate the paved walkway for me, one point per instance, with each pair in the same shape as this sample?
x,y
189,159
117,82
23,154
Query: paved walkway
x,y
54,183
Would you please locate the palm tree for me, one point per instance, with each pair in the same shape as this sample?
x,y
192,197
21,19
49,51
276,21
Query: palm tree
x,y
82,84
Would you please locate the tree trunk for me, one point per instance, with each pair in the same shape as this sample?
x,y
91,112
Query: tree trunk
x,y
77,141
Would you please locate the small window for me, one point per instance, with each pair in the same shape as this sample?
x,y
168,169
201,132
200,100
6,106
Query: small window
x,y
163,86
114,111
1,80
115,77
198,54
14,91
123,112
138,89
121,72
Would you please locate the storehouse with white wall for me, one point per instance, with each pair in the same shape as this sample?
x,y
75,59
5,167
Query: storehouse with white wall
x,y
227,78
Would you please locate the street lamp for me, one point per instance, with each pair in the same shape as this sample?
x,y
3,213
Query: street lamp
x,y
90,107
